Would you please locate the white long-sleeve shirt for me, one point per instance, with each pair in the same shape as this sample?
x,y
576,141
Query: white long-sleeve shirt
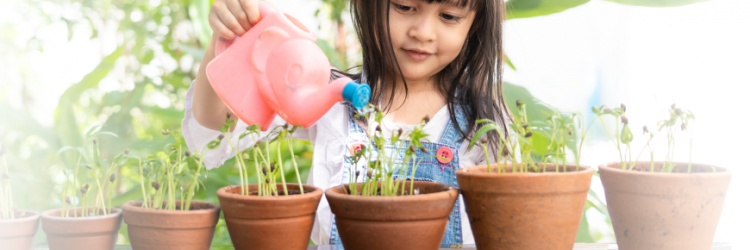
x,y
328,136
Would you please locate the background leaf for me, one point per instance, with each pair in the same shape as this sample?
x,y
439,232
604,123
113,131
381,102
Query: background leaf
x,y
532,8
657,3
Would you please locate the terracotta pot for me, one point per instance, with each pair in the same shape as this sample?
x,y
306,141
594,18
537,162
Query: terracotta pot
x,y
269,223
95,232
524,210
414,222
18,234
657,210
165,229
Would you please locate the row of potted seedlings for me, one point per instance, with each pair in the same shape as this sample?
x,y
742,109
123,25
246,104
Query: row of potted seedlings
x,y
522,202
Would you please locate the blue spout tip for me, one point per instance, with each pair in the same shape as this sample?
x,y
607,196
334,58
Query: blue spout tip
x,y
357,94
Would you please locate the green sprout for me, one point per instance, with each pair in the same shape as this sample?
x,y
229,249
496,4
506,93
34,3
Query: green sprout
x,y
384,174
267,169
100,174
559,128
169,170
623,136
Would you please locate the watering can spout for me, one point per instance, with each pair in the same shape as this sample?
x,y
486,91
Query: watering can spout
x,y
357,94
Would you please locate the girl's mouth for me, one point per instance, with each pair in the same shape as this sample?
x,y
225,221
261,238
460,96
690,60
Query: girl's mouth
x,y
417,55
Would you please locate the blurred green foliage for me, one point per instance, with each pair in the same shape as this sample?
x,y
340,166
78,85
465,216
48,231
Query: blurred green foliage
x,y
158,45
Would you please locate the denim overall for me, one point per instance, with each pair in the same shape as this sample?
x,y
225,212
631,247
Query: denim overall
x,y
429,169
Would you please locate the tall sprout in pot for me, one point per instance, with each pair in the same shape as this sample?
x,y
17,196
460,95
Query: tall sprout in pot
x,y
87,219
523,201
382,206
17,227
168,217
273,213
660,204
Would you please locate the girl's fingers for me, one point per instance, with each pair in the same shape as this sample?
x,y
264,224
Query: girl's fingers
x,y
239,14
219,27
227,18
251,10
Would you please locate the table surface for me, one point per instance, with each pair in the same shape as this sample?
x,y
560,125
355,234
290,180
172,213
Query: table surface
x,y
578,246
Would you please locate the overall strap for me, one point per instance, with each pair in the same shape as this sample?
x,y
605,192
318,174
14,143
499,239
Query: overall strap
x,y
452,134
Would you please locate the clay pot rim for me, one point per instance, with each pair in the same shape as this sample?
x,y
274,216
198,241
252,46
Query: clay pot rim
x,y
34,216
471,171
223,193
46,215
614,167
436,195
131,207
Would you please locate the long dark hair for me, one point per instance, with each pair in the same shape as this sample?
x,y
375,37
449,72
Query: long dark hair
x,y
471,83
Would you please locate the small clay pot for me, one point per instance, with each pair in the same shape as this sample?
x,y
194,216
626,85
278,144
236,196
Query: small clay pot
x,y
151,229
664,211
525,210
93,232
269,223
414,222
18,233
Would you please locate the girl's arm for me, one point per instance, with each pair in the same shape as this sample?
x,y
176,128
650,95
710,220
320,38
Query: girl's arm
x,y
208,109
227,19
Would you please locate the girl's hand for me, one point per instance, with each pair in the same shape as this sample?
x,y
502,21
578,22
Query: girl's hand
x,y
230,18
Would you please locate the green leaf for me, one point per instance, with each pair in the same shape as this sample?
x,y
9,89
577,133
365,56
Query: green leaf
x,y
531,8
483,130
506,59
147,57
66,125
657,3
626,136
198,11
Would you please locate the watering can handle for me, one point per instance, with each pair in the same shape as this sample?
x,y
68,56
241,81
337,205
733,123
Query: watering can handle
x,y
222,44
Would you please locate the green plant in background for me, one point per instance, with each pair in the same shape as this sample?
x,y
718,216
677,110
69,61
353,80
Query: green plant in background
x,y
7,211
384,174
103,177
624,136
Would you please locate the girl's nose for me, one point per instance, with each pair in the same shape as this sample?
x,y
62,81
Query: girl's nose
x,y
423,29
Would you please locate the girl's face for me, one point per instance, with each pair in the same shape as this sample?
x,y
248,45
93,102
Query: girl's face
x,y
427,37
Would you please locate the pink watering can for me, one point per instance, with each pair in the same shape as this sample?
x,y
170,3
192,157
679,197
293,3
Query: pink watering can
x,y
277,69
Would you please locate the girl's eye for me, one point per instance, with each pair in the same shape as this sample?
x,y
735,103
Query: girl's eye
x,y
449,17
403,8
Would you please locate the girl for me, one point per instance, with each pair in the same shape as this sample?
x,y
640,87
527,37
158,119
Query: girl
x,y
434,59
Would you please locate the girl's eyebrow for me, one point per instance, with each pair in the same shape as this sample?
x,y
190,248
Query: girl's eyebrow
x,y
457,3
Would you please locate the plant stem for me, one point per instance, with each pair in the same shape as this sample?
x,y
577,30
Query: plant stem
x,y
486,158
281,165
258,171
294,163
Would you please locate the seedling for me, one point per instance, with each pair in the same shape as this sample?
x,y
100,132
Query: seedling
x,y
171,169
624,136
7,211
383,174
267,169
559,128
90,161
